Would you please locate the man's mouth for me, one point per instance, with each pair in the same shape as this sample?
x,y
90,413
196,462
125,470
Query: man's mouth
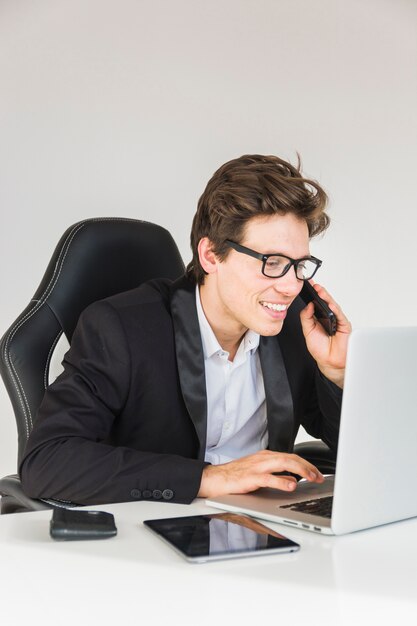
x,y
273,306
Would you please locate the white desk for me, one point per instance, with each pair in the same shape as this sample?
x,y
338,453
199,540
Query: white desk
x,y
134,578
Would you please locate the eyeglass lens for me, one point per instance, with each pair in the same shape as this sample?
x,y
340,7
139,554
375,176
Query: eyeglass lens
x,y
276,266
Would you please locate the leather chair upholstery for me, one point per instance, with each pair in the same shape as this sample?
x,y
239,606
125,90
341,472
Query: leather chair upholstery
x,y
318,454
94,258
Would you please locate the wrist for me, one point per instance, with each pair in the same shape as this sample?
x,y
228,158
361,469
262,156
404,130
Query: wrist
x,y
335,375
203,491
207,482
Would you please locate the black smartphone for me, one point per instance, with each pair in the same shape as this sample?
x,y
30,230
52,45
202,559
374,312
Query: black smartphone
x,y
323,313
201,538
75,524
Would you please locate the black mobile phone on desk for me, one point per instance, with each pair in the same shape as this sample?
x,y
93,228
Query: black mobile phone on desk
x,y
76,524
322,311
201,538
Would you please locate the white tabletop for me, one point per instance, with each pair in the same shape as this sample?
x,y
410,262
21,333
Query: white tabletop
x,y
134,578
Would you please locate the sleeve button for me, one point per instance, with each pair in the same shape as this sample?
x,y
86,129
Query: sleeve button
x,y
146,493
167,494
157,494
135,493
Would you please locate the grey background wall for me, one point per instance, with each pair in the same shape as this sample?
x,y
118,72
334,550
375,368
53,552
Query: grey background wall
x,y
127,107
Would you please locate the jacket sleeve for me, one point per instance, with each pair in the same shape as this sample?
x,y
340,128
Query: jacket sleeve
x,y
322,418
67,457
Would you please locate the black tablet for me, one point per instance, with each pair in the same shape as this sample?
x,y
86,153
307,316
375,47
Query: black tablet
x,y
201,538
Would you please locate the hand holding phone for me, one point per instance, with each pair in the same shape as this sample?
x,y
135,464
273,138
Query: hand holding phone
x,y
322,311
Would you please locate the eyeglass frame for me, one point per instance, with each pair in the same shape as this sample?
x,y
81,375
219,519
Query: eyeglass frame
x,y
264,258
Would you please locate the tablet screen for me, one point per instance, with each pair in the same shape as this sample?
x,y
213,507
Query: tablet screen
x,y
219,536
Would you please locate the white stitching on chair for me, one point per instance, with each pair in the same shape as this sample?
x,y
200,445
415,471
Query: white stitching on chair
x,y
39,303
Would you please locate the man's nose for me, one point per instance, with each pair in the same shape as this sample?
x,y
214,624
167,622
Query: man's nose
x,y
289,284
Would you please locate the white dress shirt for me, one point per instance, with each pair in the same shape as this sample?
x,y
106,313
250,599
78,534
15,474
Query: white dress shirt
x,y
236,407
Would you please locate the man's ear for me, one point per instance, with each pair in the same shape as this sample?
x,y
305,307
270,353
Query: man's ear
x,y
206,255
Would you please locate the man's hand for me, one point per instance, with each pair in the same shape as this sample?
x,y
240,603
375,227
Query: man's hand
x,y
254,471
328,352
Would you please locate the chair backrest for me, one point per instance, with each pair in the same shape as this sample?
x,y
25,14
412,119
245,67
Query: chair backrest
x,y
94,258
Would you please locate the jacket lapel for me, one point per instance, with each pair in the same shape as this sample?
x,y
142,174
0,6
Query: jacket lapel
x,y
279,404
190,359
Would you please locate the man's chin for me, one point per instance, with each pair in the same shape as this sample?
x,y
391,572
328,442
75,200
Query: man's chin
x,y
271,330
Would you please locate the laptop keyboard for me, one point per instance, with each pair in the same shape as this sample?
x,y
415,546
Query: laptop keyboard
x,y
319,506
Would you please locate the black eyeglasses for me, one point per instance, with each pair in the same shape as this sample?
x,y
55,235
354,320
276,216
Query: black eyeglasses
x,y
276,265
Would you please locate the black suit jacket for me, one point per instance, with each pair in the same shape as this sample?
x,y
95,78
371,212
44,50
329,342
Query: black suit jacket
x,y
127,418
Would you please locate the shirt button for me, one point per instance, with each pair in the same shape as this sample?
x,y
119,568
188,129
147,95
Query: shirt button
x,y
226,425
135,493
157,494
167,494
146,493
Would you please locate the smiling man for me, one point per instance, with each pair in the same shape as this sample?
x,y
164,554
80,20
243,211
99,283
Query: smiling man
x,y
198,387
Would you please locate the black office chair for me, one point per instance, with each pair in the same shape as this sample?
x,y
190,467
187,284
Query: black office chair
x,y
94,259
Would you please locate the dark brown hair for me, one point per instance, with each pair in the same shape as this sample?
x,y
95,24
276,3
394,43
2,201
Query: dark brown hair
x,y
247,187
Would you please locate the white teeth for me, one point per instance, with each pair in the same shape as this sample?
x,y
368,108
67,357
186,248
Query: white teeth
x,y
275,307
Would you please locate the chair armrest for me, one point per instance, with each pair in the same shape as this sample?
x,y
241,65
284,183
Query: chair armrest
x,y
14,499
317,453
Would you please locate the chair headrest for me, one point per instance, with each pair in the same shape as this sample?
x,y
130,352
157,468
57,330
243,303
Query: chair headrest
x,y
100,257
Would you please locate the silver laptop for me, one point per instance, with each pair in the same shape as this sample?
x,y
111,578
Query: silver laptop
x,y
376,471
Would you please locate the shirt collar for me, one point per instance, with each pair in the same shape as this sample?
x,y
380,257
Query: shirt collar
x,y
210,343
